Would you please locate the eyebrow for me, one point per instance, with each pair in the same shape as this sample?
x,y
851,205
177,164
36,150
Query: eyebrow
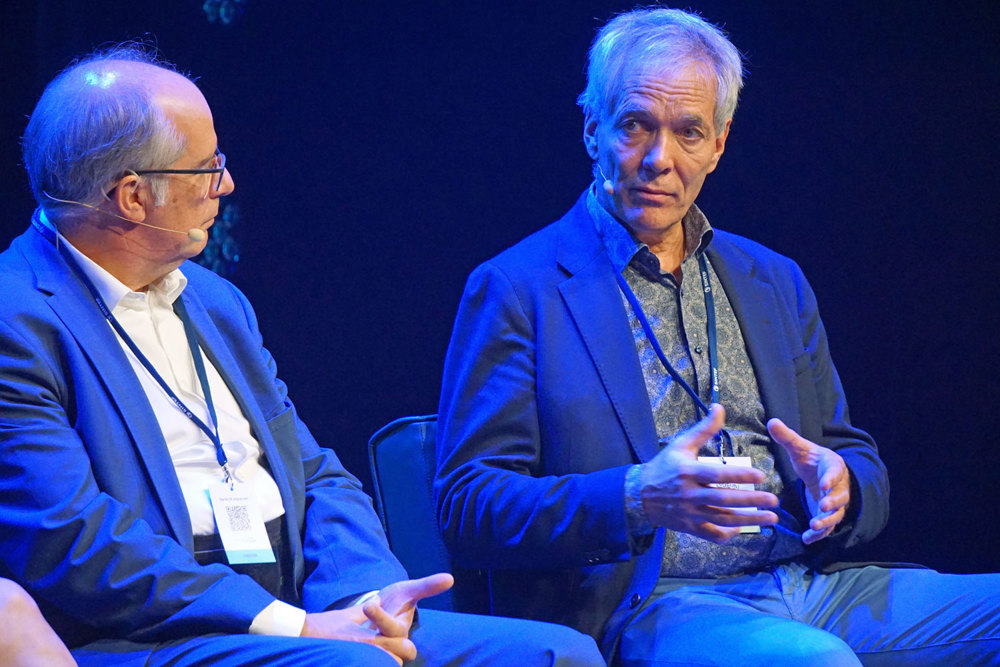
x,y
208,159
691,119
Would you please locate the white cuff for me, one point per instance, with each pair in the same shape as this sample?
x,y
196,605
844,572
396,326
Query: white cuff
x,y
279,619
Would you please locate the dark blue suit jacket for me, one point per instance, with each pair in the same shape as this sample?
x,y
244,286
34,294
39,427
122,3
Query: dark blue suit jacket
x,y
92,520
544,407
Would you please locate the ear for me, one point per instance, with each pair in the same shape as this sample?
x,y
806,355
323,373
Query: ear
x,y
130,198
590,135
720,145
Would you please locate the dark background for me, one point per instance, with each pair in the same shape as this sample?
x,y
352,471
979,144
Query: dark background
x,y
382,150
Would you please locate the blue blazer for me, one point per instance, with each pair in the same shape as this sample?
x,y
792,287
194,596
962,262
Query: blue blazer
x,y
543,408
92,520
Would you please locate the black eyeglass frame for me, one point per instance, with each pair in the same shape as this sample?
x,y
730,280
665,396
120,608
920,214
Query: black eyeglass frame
x,y
220,170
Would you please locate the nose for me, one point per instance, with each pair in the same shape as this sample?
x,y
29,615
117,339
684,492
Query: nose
x,y
659,157
226,187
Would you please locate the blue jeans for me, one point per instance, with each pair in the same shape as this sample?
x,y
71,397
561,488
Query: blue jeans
x,y
789,615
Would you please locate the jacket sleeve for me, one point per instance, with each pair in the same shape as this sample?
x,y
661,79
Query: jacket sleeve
x,y
344,547
496,506
825,420
95,566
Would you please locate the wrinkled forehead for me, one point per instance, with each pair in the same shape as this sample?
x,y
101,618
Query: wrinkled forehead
x,y
686,71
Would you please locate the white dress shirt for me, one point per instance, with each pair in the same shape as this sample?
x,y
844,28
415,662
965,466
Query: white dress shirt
x,y
150,321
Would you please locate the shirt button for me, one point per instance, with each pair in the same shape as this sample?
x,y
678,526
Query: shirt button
x,y
697,349
634,601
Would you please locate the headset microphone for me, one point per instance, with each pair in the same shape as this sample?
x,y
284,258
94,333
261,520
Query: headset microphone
x,y
608,186
195,235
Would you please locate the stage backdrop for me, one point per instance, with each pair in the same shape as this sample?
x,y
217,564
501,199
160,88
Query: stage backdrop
x,y
381,150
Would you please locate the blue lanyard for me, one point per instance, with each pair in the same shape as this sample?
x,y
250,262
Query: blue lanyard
x,y
199,365
713,356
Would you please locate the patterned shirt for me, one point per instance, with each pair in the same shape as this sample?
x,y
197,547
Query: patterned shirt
x,y
676,313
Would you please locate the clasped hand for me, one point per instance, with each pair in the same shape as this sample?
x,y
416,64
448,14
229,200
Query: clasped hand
x,y
677,492
382,621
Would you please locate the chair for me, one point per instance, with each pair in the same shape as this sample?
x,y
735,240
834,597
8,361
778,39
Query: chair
x,y
401,455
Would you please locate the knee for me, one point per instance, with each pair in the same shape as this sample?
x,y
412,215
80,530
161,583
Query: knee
x,y
15,604
814,648
557,645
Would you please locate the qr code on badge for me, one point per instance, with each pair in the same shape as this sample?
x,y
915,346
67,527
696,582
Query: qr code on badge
x,y
239,518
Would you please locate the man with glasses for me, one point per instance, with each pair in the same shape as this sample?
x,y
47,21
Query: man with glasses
x,y
159,497
584,455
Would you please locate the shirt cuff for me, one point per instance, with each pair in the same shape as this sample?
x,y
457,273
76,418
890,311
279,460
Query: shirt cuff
x,y
279,619
361,599
635,516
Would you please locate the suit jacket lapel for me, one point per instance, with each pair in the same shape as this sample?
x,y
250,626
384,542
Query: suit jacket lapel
x,y
218,352
73,304
594,300
765,334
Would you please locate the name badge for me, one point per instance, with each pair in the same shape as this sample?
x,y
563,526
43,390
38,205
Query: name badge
x,y
240,525
742,462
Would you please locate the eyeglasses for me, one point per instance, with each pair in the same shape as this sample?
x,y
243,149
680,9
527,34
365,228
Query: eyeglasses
x,y
219,159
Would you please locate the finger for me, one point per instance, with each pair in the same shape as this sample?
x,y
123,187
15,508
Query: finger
x,y
403,595
726,516
693,438
400,647
733,497
386,623
786,437
834,501
828,520
812,536
710,473
714,533
430,585
835,476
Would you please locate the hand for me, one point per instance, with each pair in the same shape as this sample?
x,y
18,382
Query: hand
x,y
398,601
675,489
825,475
384,620
351,624
27,640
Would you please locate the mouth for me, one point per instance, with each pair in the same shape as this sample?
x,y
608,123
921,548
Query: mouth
x,y
654,194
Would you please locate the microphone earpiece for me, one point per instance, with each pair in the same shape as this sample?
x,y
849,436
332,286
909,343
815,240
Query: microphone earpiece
x,y
195,235
608,186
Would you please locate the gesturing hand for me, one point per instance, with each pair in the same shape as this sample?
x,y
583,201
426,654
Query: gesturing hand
x,y
398,601
384,620
825,475
675,489
351,624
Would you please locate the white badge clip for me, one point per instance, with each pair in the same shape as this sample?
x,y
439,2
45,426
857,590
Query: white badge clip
x,y
742,462
240,524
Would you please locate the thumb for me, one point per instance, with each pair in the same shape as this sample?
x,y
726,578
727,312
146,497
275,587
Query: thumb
x,y
425,587
784,436
691,440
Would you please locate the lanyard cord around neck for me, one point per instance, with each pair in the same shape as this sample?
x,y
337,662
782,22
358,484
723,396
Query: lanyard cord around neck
x,y
713,356
199,364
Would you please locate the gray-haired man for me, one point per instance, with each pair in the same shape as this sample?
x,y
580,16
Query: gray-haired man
x,y
585,456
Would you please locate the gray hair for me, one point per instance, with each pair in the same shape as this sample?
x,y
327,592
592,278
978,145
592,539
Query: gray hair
x,y
660,36
92,125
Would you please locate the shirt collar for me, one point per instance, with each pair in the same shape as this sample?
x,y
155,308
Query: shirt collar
x,y
112,290
622,246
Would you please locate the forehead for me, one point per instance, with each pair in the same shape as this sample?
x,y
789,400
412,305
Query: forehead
x,y
689,85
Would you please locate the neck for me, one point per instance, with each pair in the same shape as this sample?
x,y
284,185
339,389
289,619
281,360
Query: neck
x,y
116,256
668,246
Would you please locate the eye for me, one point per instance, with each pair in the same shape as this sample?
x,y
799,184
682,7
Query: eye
x,y
631,126
691,133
